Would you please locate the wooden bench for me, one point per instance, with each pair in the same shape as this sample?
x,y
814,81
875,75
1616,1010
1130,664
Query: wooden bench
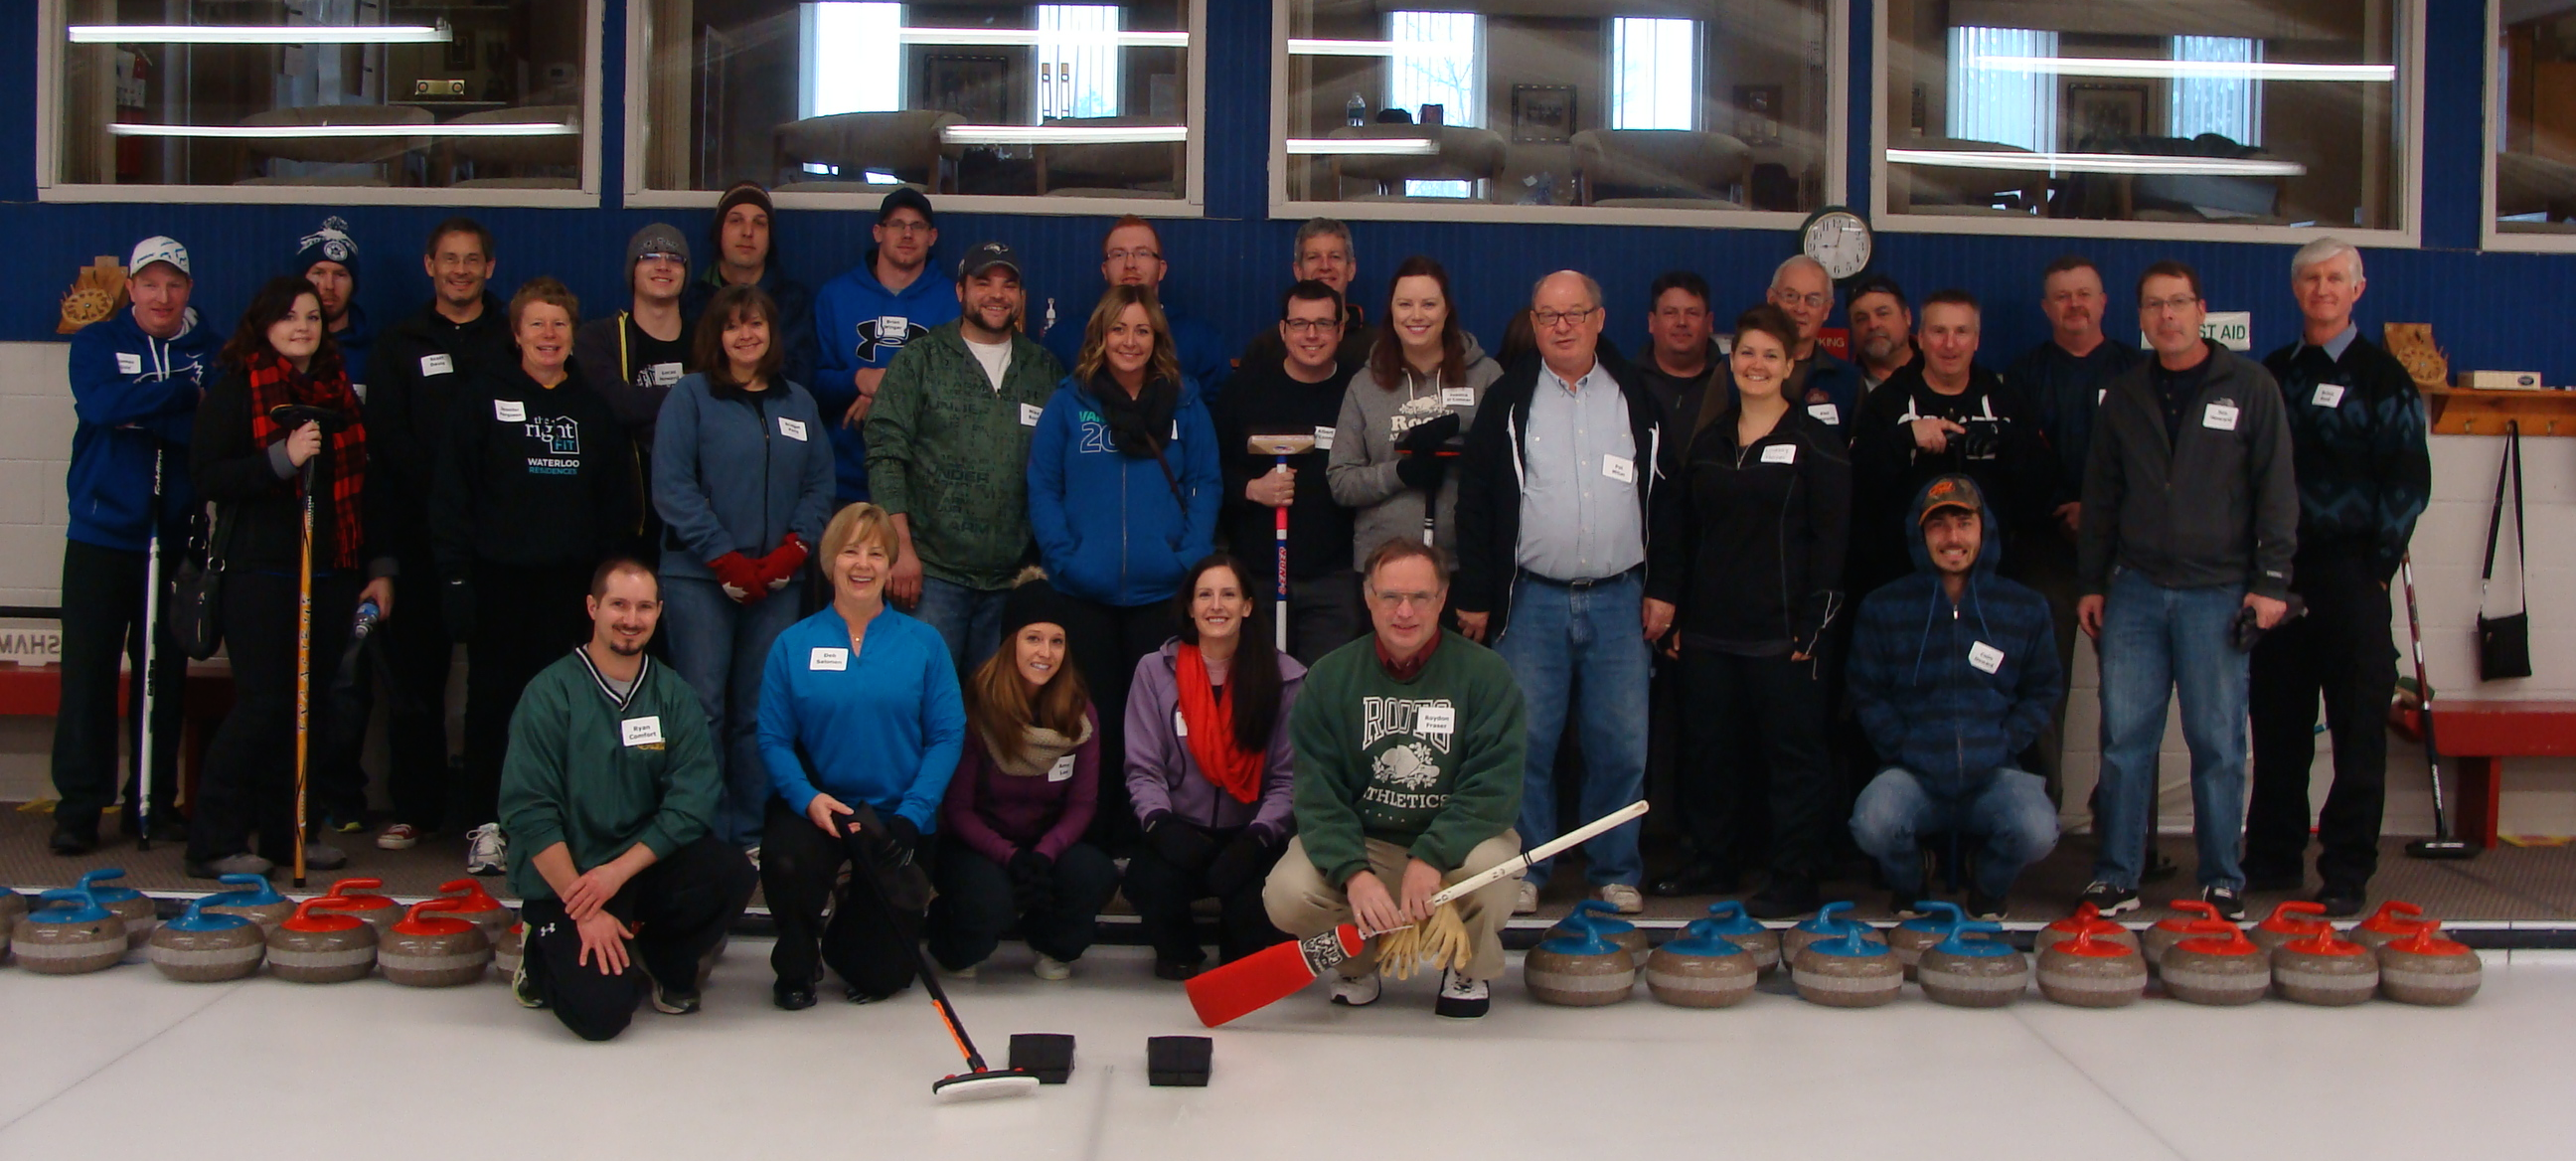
x,y
2476,736
36,691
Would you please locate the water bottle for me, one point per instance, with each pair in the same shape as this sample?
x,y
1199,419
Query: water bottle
x,y
348,673
1357,111
368,615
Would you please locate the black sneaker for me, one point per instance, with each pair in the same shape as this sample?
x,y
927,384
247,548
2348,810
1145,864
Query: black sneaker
x,y
2110,900
523,989
72,841
1462,998
673,1001
792,997
2343,900
1987,907
2231,903
1785,898
858,995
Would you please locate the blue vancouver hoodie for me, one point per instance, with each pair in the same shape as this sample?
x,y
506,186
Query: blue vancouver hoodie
x,y
1916,682
859,323
1109,527
885,727
134,395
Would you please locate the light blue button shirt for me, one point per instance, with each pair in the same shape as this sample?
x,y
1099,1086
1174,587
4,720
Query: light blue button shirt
x,y
1579,521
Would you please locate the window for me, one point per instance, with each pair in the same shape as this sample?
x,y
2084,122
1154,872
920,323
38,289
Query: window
x,y
1480,110
1072,102
421,99
2534,150
2294,117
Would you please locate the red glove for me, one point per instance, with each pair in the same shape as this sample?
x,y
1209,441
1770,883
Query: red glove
x,y
739,576
780,566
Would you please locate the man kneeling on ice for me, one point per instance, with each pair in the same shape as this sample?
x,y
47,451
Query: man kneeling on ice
x,y
1409,766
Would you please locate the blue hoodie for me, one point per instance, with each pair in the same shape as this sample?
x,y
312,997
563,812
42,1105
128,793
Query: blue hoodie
x,y
1109,528
134,395
736,471
1925,704
885,727
859,323
357,348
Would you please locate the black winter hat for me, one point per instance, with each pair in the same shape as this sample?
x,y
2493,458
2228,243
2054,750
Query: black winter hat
x,y
1034,601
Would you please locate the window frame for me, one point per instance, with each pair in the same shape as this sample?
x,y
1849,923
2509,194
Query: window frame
x,y
1835,191
2408,235
52,21
1194,156
2491,106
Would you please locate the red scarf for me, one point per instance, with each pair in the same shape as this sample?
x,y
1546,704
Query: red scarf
x,y
1210,718
275,383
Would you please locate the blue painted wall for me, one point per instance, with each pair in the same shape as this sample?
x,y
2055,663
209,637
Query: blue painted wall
x,y
2488,310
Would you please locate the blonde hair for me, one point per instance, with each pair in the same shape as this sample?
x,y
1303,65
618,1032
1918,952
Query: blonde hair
x,y
1166,361
860,522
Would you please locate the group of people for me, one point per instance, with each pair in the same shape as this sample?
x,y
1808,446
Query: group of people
x,y
1001,622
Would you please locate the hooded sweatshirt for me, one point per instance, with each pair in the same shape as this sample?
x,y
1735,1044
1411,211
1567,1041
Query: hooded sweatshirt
x,y
1163,777
357,347
134,397
1112,527
859,323
2003,450
533,475
1952,691
1362,468
736,471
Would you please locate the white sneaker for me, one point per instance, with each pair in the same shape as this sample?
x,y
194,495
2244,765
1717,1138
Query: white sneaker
x,y
1048,968
1462,998
1357,992
1527,902
1623,897
486,852
965,973
752,853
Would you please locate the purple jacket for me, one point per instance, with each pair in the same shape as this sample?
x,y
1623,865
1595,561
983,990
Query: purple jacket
x,y
995,814
1161,774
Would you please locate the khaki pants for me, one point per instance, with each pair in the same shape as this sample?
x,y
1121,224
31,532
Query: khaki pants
x,y
1302,904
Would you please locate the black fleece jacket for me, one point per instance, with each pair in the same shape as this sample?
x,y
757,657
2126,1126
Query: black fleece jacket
x,y
419,366
533,475
1749,545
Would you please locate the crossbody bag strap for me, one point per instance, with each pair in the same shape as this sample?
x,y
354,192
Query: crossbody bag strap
x,y
2509,470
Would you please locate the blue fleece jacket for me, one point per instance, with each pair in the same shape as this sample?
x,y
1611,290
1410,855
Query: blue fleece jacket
x,y
134,395
736,471
357,348
1109,527
1205,358
859,323
885,727
1923,698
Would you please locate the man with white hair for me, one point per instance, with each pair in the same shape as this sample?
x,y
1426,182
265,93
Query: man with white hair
x,y
2357,439
1827,387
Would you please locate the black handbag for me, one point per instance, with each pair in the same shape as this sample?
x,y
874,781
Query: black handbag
x,y
2504,643
196,605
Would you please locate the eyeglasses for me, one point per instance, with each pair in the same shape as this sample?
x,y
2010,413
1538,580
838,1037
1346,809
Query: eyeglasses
x,y
1405,600
1121,256
664,256
906,227
2161,305
1811,301
1548,320
1302,326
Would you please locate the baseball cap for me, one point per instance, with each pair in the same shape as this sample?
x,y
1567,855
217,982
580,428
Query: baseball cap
x,y
657,238
905,197
1952,491
986,256
158,248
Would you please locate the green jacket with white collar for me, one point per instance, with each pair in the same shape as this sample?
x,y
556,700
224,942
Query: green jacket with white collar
x,y
600,773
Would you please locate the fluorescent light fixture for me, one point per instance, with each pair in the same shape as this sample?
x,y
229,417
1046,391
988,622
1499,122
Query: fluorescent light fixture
x,y
1030,36
1062,134
1311,46
2223,70
277,132
1363,146
2097,163
260,34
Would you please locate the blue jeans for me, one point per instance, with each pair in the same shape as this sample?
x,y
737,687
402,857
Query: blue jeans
x,y
1556,634
2157,642
2007,809
969,620
720,647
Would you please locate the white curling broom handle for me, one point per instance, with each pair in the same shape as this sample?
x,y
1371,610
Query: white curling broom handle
x,y
1549,849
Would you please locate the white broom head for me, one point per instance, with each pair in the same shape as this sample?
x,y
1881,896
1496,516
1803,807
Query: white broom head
x,y
988,1085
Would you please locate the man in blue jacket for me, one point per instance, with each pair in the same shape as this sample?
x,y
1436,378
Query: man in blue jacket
x,y
136,377
1953,671
864,318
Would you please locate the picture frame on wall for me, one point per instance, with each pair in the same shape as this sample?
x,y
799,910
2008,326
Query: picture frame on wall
x,y
1543,114
1757,113
975,87
2100,113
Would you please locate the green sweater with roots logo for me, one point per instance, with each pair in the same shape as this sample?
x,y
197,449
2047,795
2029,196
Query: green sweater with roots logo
x,y
1433,764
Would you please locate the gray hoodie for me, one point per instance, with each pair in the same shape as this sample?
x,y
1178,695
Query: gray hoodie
x,y
1362,468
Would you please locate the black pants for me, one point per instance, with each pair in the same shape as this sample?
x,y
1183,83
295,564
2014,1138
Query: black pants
x,y
249,780
799,866
102,617
1162,893
678,909
1106,642
525,619
1753,745
975,905
2342,650
417,652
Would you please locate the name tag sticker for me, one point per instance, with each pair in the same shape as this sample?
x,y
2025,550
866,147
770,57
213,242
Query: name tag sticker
x,y
1063,769
436,365
2328,395
1180,726
829,660
2100,394
664,374
1985,658
1619,468
642,731
2219,417
1436,719
1826,413
129,363
359,390
1457,397
1029,414
892,328
1323,439
1176,431
509,411
1780,453
792,428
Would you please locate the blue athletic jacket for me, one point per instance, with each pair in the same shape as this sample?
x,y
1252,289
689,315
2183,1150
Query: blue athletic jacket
x,y
884,727
134,395
1109,526
859,323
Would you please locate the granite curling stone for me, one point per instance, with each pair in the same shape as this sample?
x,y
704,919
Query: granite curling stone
x,y
1734,926
203,948
12,906
1973,973
1853,971
357,897
2395,920
2087,918
2090,971
1909,939
68,935
2424,968
434,951
2325,969
1829,923
2293,919
322,944
253,899
476,906
1579,971
1597,917
132,906
2160,936
506,951
1702,969
2217,966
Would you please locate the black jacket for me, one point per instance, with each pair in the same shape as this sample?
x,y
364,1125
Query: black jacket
x,y
1749,548
1489,479
2003,450
531,475
2217,507
2357,439
406,406
1263,400
264,511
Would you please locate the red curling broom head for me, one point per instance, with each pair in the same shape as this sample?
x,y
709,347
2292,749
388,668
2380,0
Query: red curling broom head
x,y
1267,976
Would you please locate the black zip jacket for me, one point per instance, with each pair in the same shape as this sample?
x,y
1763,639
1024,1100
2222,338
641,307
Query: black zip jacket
x,y
406,406
531,475
2219,506
263,510
1749,547
1263,400
2003,450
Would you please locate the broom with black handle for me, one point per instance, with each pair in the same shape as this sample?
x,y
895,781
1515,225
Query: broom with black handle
x,y
2443,844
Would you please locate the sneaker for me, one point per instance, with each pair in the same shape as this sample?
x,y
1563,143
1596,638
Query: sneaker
x,y
244,863
2230,904
1356,991
521,989
1987,907
857,995
1622,896
72,842
1785,898
2110,900
324,857
791,997
343,824
1462,998
965,973
2342,901
485,850
670,1001
751,854
1051,969
1526,903
401,836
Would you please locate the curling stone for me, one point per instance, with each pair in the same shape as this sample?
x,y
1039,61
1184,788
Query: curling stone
x,y
126,903
2087,919
434,951
358,899
1853,971
253,899
1702,969
1908,939
2160,936
68,935
12,906
1596,917
2092,971
1729,922
506,950
2325,969
2294,919
1973,973
1579,971
1828,923
2393,921
322,944
476,906
202,948
2216,966
2424,968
